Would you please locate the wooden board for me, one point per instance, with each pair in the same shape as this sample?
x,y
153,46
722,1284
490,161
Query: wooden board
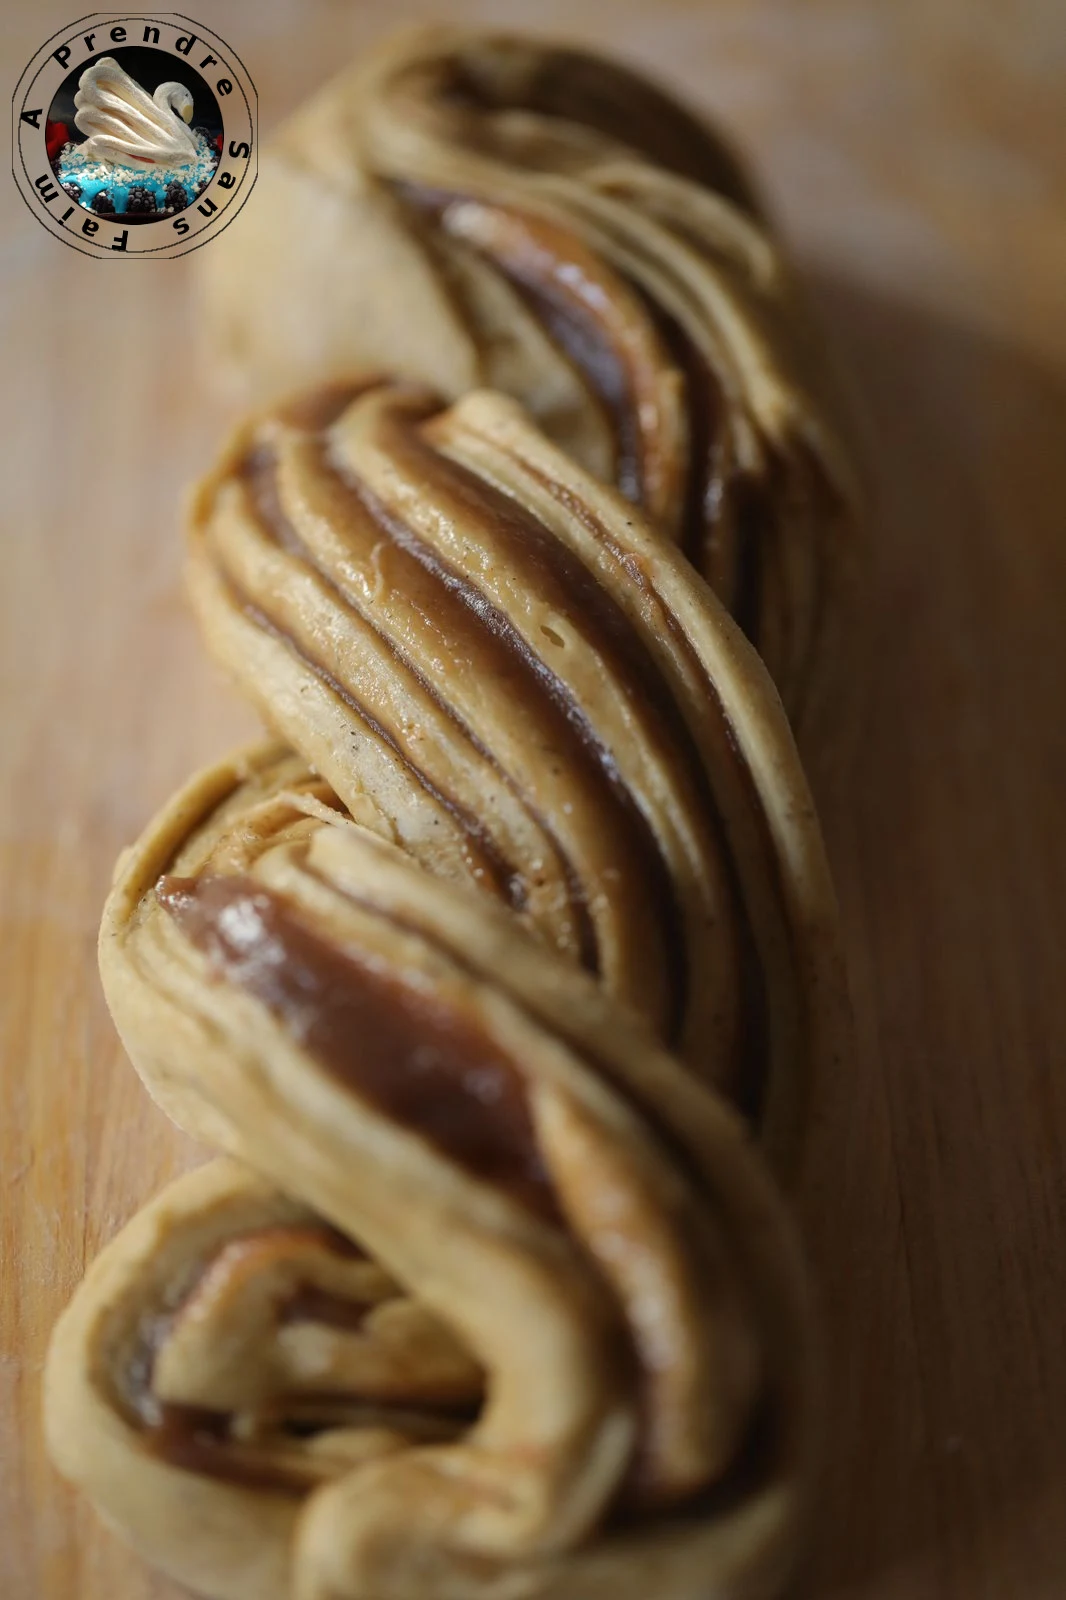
x,y
917,153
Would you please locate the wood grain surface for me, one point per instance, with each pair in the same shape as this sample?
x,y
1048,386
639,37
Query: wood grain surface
x,y
916,152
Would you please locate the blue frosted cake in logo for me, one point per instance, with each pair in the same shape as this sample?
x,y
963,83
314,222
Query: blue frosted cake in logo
x,y
140,159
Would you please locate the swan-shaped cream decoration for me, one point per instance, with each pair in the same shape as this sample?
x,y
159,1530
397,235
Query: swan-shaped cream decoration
x,y
127,125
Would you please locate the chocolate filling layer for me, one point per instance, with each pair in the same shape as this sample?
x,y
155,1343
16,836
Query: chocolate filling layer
x,y
571,324
258,471
408,1054
603,1067
582,341
547,568
599,94
311,1304
202,1442
483,859
707,489
747,1084
198,1439
563,307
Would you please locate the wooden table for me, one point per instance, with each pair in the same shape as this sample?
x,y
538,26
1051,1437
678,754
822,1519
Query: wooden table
x,y
917,153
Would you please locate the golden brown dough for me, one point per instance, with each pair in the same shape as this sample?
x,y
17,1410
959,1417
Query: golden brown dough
x,y
533,1321
468,209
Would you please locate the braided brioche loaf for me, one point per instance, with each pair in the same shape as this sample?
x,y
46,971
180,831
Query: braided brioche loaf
x,y
501,981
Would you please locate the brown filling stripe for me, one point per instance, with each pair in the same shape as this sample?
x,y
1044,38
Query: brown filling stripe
x,y
569,323
578,87
260,474
548,564
582,339
549,567
464,1095
486,858
754,1062
403,1052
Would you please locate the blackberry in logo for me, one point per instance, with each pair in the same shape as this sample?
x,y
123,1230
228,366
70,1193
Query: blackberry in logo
x,y
140,201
